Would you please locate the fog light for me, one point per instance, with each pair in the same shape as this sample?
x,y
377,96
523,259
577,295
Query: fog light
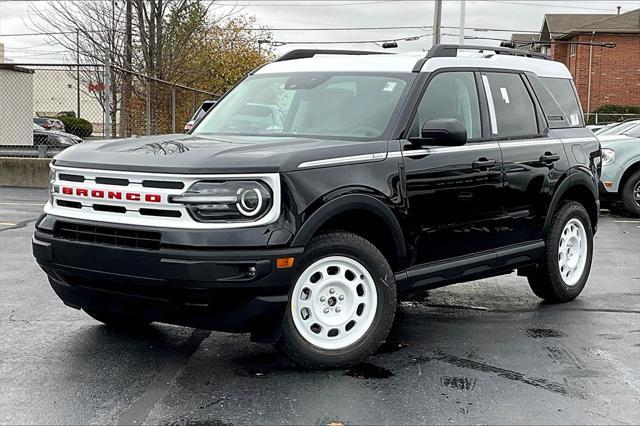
x,y
251,271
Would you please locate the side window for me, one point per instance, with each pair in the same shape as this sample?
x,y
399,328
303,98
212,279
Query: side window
x,y
450,95
556,117
512,111
565,95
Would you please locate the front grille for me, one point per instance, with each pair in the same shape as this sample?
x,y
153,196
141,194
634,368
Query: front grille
x,y
106,235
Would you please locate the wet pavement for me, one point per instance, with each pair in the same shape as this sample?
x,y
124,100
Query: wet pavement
x,y
480,352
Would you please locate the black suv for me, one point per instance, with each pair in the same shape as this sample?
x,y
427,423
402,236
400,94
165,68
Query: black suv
x,y
386,174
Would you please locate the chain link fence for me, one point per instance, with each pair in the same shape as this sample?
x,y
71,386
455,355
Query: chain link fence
x,y
46,108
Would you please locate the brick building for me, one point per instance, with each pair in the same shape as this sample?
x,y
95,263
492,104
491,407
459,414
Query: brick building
x,y
602,75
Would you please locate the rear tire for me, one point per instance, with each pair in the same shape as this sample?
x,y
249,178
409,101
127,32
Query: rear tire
x,y
564,270
341,305
119,321
631,195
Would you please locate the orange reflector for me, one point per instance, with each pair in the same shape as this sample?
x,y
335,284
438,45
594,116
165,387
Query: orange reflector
x,y
284,262
608,184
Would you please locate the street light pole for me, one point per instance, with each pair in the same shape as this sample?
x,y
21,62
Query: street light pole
x,y
78,72
437,22
462,11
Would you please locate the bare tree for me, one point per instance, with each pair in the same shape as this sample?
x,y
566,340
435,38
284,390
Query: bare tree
x,y
101,37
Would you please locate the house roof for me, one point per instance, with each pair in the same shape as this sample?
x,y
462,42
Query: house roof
x,y
626,21
561,25
525,38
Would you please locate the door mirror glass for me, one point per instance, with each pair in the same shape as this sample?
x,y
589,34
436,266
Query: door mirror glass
x,y
442,132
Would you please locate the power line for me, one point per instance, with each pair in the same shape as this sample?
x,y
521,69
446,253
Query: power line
x,y
277,43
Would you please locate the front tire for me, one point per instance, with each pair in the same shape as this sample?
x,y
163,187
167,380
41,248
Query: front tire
x,y
564,270
341,305
631,195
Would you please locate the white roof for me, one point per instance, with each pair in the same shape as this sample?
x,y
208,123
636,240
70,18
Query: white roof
x,y
404,62
380,63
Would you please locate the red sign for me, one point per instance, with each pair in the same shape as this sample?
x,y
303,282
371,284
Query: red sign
x,y
111,195
96,87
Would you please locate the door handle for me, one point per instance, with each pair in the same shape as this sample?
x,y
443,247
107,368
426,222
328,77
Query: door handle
x,y
549,157
483,163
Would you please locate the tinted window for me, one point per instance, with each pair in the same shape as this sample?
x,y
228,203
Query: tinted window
x,y
562,91
450,95
515,114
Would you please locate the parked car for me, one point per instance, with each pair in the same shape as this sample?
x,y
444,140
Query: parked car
x,y
49,123
42,136
204,108
617,128
620,180
595,127
390,174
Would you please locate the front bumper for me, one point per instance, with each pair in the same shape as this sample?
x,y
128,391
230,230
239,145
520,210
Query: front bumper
x,y
607,195
235,290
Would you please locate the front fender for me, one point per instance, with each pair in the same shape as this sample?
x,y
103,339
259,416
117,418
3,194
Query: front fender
x,y
345,203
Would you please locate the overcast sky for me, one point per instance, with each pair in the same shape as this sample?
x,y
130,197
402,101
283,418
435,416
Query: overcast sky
x,y
518,15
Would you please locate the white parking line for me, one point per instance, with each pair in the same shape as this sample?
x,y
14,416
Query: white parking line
x,y
7,224
627,221
22,204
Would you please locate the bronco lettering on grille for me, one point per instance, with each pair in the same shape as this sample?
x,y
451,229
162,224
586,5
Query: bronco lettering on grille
x,y
111,195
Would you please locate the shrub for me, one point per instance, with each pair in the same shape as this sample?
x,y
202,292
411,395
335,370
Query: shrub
x,y
66,114
77,126
614,112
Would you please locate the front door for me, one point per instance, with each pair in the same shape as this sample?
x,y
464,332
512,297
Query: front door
x,y
453,193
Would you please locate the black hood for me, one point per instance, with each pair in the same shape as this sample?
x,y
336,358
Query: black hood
x,y
179,153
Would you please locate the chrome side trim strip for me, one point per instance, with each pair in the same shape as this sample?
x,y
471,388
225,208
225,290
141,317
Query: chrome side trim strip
x,y
440,150
585,139
344,160
529,142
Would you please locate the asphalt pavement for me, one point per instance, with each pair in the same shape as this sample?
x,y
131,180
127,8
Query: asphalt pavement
x,y
480,352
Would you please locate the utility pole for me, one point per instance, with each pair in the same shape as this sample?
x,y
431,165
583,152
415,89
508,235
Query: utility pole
x,y
78,72
106,122
437,22
462,11
126,76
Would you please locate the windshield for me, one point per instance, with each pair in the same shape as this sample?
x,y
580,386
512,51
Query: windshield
x,y
320,105
617,129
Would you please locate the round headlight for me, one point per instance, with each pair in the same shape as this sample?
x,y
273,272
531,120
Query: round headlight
x,y
608,156
249,201
230,200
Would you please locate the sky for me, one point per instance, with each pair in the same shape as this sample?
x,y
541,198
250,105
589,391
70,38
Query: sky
x,y
288,17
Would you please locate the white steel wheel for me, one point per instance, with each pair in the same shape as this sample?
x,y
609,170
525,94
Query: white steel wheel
x,y
572,251
334,302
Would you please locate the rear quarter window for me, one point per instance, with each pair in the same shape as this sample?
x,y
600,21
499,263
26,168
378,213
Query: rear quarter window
x,y
559,101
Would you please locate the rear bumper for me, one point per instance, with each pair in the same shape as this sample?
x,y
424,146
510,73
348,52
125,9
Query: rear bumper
x,y
238,290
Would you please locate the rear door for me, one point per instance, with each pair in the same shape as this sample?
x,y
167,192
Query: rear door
x,y
533,159
453,193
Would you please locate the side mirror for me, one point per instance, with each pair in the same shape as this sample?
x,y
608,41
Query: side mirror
x,y
442,132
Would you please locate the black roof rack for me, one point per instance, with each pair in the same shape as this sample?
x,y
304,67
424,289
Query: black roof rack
x,y
451,51
310,53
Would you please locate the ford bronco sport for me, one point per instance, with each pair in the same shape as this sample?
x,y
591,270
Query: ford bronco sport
x,y
387,174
